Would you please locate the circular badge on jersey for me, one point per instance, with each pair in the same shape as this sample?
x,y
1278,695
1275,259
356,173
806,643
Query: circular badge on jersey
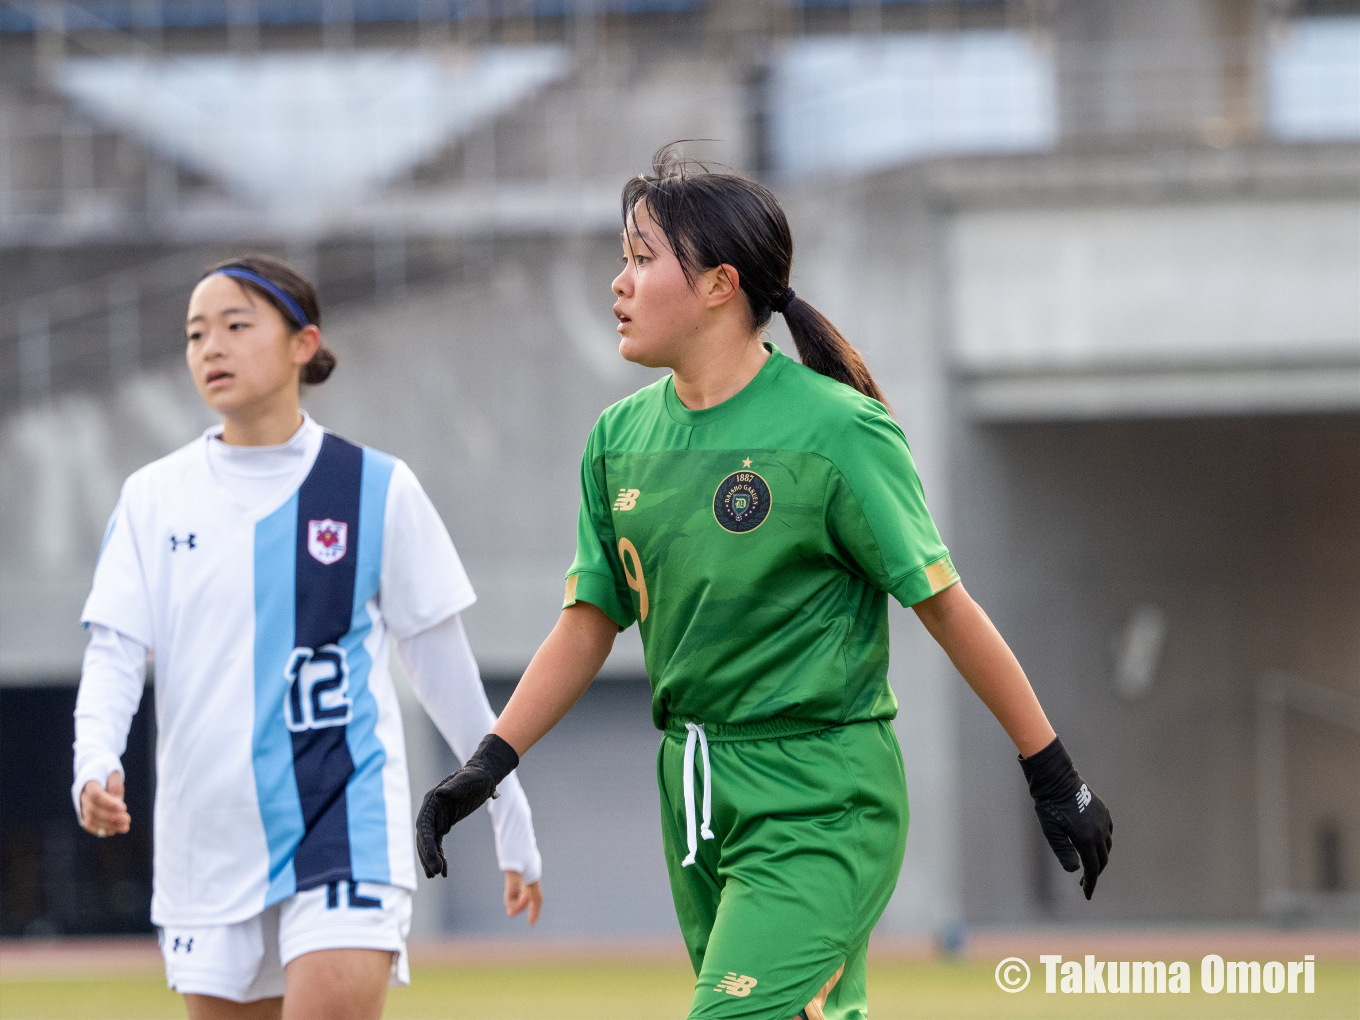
x,y
742,502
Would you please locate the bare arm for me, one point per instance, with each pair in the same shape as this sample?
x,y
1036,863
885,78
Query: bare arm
x,y
1074,820
981,655
563,667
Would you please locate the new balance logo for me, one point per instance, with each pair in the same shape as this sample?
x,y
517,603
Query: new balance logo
x,y
186,944
1083,798
734,985
627,499
175,543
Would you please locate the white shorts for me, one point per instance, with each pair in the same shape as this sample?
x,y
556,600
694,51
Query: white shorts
x,y
245,961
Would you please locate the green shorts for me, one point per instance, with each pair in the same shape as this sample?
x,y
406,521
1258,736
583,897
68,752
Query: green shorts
x,y
807,837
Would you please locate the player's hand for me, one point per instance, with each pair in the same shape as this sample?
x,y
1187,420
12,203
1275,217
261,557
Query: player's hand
x,y
1075,821
445,806
103,811
520,894
458,796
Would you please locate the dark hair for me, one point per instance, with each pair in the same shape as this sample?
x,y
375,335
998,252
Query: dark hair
x,y
711,218
297,287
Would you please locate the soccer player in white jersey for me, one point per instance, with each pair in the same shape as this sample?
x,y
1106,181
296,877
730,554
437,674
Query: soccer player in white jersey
x,y
265,566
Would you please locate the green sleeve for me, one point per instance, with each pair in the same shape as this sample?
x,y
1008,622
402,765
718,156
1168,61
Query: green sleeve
x,y
596,575
876,513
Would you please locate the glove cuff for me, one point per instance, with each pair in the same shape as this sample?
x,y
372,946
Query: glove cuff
x,y
1050,772
496,756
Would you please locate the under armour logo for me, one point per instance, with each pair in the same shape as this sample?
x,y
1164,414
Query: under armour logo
x,y
175,543
186,944
734,985
627,499
1083,798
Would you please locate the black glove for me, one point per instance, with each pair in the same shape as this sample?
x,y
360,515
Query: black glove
x,y
1075,821
458,796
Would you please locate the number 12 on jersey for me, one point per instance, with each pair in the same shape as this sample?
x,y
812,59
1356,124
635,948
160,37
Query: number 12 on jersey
x,y
318,688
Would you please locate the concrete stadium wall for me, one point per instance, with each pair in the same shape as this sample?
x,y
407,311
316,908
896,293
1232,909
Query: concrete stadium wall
x,y
1242,532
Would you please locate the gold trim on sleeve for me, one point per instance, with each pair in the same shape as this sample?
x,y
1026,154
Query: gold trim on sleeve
x,y
941,574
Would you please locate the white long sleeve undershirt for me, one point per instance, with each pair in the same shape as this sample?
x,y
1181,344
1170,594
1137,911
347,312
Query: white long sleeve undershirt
x,y
111,681
448,684
443,674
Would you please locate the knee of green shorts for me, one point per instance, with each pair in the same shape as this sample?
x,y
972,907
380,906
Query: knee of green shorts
x,y
782,984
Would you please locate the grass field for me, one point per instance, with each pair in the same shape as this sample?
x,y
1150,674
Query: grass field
x,y
642,991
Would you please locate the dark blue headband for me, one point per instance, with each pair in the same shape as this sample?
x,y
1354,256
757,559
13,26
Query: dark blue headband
x,y
271,288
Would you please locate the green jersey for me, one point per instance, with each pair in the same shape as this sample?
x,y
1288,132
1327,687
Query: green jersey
x,y
755,543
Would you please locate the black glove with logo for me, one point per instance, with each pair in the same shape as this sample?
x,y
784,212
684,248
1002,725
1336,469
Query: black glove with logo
x,y
1075,821
458,796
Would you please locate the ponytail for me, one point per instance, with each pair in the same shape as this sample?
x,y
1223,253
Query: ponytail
x,y
711,219
319,369
823,348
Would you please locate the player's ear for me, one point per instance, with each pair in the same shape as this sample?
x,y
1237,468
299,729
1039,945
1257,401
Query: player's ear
x,y
305,343
721,285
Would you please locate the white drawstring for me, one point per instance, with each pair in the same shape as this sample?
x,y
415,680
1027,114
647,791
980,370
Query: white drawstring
x,y
696,730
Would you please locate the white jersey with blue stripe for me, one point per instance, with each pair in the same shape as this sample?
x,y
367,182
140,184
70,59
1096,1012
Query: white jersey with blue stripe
x,y
280,758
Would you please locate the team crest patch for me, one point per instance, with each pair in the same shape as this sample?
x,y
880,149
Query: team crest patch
x,y
742,502
326,540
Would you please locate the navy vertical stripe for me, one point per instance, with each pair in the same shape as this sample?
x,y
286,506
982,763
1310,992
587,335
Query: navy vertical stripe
x,y
325,597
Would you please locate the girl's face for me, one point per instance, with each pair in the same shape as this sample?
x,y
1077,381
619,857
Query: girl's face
x,y
659,311
241,351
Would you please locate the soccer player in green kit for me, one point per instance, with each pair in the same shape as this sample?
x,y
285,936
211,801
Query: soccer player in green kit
x,y
752,515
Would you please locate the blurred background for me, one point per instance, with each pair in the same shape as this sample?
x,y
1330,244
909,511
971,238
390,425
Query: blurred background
x,y
1103,255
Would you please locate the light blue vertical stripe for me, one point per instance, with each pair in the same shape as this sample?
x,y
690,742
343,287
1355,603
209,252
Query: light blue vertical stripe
x,y
275,622
108,531
365,803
